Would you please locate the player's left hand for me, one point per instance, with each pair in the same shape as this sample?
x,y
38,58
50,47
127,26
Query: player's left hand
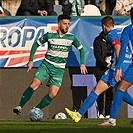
x,y
118,75
83,69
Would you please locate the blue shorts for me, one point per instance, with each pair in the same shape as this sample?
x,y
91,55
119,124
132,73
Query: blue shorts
x,y
129,74
108,77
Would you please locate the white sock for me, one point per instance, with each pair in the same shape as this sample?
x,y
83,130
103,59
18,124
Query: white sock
x,y
79,115
112,120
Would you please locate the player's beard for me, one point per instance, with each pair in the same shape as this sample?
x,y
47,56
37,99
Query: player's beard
x,y
64,31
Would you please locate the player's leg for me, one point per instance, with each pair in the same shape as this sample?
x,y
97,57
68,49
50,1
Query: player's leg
x,y
53,90
100,101
108,101
39,77
54,83
116,103
27,95
128,98
118,97
100,105
126,82
89,101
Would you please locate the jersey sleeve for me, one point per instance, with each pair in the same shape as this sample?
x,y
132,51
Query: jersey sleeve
x,y
43,39
77,43
33,50
113,39
79,46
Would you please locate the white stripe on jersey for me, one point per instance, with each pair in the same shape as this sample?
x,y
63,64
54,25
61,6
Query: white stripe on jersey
x,y
57,53
130,47
58,41
39,43
60,65
80,47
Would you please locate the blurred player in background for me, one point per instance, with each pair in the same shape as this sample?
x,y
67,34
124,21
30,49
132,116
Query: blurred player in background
x,y
103,58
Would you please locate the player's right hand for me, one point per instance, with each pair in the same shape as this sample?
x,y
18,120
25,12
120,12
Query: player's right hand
x,y
29,65
118,75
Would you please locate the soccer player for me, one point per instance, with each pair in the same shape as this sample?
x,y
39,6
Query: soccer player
x,y
53,65
127,80
107,79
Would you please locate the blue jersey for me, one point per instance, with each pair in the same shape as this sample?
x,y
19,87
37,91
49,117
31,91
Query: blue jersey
x,y
113,38
126,40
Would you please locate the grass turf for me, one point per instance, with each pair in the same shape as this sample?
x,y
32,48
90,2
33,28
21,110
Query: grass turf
x,y
64,126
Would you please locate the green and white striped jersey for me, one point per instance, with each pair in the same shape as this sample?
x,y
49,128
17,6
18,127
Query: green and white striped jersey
x,y
58,47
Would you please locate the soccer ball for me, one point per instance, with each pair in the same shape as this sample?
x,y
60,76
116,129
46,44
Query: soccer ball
x,y
35,114
60,116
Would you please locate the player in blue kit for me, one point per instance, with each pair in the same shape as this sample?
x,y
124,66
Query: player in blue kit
x,y
127,80
107,79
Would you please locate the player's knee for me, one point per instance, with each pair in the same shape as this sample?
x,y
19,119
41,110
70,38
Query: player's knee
x,y
52,94
34,86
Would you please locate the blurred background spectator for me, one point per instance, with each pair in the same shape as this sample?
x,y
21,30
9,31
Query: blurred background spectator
x,y
102,55
105,6
122,7
3,11
73,7
62,1
36,7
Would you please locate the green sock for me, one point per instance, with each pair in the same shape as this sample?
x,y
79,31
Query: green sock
x,y
44,102
26,96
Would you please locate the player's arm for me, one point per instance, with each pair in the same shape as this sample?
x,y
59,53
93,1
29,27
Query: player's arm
x,y
82,59
117,46
79,46
124,43
125,37
32,52
41,41
120,59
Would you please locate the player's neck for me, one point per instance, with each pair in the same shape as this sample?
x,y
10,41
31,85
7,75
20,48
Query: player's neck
x,y
60,33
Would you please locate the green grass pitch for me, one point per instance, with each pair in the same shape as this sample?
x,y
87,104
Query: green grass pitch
x,y
64,126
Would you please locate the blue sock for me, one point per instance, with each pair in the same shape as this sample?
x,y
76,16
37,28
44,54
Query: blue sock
x,y
127,98
89,101
116,103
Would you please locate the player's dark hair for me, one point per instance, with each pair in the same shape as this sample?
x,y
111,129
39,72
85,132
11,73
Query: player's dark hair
x,y
108,21
131,14
63,16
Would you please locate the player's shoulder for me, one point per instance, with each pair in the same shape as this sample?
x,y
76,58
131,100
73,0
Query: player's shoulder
x,y
52,31
114,32
70,34
129,27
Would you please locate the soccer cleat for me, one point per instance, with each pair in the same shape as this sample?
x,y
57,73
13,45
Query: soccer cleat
x,y
107,116
101,116
108,123
17,110
73,115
